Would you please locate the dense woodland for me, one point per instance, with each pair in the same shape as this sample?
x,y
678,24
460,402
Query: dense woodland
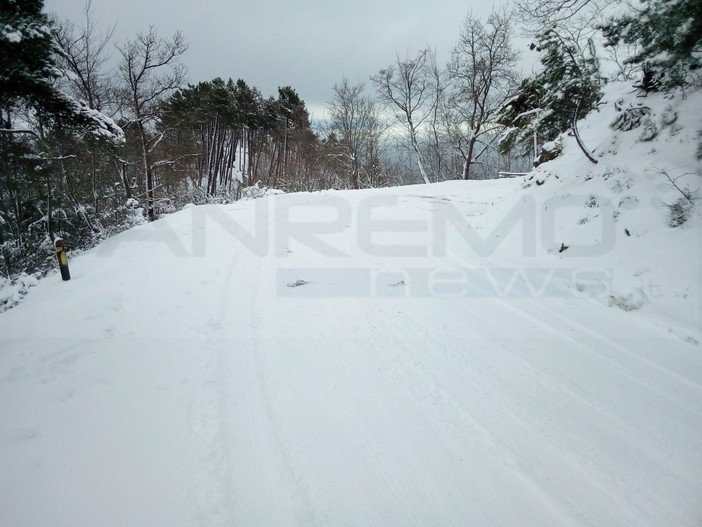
x,y
87,151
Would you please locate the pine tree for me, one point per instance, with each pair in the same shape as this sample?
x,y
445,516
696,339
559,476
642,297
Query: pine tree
x,y
38,122
669,33
27,67
551,102
28,71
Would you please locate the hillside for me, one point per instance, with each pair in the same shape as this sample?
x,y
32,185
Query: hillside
x,y
510,352
629,213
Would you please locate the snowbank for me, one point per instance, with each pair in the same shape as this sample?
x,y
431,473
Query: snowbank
x,y
13,291
636,213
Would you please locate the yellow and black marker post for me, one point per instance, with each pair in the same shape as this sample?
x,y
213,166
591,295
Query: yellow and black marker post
x,y
62,259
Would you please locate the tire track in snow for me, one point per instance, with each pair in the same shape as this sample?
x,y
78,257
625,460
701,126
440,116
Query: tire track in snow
x,y
496,456
643,362
212,413
261,463
212,485
573,457
209,416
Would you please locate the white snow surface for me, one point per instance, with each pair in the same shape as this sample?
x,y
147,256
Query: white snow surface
x,y
421,355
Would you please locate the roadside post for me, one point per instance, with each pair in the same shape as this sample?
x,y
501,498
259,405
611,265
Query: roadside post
x,y
62,258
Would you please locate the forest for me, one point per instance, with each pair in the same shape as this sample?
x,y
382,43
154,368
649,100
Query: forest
x,y
87,151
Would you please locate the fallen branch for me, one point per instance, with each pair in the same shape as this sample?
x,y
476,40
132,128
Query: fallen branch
x,y
687,194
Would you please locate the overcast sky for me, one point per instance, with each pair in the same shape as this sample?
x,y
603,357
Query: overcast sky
x,y
309,44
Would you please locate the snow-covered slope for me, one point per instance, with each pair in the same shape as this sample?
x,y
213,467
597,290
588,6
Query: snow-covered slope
x,y
629,213
414,356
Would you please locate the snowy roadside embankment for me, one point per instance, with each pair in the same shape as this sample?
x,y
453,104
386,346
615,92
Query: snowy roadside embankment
x,y
636,213
13,291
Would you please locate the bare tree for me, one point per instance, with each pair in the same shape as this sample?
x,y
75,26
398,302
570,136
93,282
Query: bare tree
x,y
356,125
537,13
483,73
617,56
150,69
406,87
83,52
438,130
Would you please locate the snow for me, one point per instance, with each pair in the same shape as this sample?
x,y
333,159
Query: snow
x,y
104,126
14,37
421,355
13,291
258,191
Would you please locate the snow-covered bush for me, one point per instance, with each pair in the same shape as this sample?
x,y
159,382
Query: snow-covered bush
x,y
669,116
125,216
549,151
225,195
12,291
258,191
631,302
650,130
679,211
630,118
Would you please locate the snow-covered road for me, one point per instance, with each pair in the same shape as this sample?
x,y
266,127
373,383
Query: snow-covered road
x,y
341,358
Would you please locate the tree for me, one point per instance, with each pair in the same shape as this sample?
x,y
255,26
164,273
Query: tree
x,y
235,135
552,101
356,128
438,120
483,74
28,72
669,36
83,52
209,115
292,122
26,60
538,14
150,70
249,101
37,120
406,88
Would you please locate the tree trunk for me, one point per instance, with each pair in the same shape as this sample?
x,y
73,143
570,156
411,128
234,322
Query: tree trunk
x,y
574,127
355,183
420,162
150,208
581,144
469,159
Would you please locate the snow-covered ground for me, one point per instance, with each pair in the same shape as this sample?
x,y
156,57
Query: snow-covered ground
x,y
424,355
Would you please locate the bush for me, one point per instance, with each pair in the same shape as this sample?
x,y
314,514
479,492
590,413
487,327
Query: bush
x,y
12,291
630,118
650,130
679,212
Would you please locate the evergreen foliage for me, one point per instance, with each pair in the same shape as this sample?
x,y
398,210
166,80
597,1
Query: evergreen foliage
x,y
548,103
669,36
27,67
41,127
28,73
